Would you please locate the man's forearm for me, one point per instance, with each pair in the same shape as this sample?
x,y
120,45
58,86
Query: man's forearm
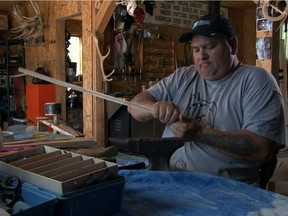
x,y
238,144
144,99
242,144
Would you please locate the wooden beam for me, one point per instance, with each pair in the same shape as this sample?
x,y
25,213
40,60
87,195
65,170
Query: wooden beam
x,y
214,7
87,67
100,18
103,15
98,111
60,64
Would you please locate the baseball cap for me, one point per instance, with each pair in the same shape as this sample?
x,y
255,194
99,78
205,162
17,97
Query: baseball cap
x,y
211,25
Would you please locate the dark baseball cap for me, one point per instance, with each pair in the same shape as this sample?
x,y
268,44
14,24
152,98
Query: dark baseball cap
x,y
210,25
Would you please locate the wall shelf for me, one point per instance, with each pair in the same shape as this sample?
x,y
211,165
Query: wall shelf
x,y
40,44
12,56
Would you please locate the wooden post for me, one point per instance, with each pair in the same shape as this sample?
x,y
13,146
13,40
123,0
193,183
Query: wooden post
x,y
214,7
100,19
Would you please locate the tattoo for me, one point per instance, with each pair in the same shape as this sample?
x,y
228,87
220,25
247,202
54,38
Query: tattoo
x,y
241,145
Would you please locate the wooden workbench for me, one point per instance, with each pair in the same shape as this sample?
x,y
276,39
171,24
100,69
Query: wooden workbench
x,y
61,143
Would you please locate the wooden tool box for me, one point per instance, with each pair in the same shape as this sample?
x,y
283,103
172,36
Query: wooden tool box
x,y
57,170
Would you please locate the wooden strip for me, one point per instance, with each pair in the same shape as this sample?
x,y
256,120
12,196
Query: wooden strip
x,y
22,155
47,160
89,178
65,142
80,89
56,127
34,140
79,172
35,158
73,167
51,166
104,14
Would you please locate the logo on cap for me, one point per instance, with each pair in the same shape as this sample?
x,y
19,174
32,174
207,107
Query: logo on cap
x,y
201,23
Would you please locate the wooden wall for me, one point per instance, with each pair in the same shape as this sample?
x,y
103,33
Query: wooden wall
x,y
245,25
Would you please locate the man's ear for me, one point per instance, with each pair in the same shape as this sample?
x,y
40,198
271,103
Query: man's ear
x,y
233,41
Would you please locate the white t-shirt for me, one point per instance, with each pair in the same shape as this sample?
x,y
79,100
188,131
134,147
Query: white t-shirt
x,y
247,99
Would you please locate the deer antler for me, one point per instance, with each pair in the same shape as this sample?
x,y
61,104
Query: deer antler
x,y
29,26
282,16
102,58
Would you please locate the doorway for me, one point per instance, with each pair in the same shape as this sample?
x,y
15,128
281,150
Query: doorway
x,y
67,28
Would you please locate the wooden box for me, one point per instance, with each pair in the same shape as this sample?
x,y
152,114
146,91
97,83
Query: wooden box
x,y
57,170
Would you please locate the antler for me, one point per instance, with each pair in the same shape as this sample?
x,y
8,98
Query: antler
x,y
102,58
282,16
29,26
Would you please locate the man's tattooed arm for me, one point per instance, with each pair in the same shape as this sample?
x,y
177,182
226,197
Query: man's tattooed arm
x,y
238,144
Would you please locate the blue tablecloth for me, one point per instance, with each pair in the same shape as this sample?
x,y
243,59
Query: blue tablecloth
x,y
154,193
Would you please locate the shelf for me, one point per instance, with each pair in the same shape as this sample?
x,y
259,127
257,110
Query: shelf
x,y
39,44
13,55
11,42
78,83
11,65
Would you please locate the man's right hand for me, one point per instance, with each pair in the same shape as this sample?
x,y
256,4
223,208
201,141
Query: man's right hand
x,y
166,111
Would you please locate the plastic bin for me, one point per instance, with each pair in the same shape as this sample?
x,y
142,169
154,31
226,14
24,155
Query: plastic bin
x,y
92,189
100,199
41,202
96,200
36,201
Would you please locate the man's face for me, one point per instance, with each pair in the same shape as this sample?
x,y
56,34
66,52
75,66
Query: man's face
x,y
213,57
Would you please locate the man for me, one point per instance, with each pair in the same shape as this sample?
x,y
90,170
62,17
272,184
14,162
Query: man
x,y
231,114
